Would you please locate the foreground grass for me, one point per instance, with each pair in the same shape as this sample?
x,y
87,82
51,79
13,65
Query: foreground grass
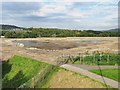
x,y
63,78
109,73
18,70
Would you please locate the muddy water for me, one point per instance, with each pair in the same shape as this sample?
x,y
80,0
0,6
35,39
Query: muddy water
x,y
28,43
56,45
91,41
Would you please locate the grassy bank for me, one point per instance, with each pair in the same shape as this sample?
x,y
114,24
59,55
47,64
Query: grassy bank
x,y
109,73
18,70
63,78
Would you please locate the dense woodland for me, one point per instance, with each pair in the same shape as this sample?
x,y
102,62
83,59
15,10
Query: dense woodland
x,y
11,31
52,32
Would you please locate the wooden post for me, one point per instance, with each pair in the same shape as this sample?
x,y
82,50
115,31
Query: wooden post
x,y
33,80
79,56
108,59
80,60
100,57
94,59
62,58
83,59
72,59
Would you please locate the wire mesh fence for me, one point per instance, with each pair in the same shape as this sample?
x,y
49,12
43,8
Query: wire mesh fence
x,y
90,59
39,78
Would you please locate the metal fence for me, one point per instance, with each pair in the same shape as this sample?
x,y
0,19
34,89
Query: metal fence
x,y
38,80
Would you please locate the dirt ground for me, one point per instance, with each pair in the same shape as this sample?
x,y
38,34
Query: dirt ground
x,y
67,79
57,47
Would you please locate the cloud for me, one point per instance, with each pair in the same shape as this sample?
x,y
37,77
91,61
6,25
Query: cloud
x,y
72,15
59,1
50,8
23,0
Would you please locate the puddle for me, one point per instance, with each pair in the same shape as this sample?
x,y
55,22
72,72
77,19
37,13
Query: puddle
x,y
29,43
91,41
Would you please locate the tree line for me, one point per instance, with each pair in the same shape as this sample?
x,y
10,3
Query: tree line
x,y
53,32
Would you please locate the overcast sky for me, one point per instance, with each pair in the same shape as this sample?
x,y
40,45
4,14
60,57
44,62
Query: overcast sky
x,y
87,14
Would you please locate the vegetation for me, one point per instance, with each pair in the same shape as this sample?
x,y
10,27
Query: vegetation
x,y
109,73
40,79
62,78
95,59
53,32
19,70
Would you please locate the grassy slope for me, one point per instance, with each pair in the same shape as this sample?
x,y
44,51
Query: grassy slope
x,y
110,73
63,78
19,69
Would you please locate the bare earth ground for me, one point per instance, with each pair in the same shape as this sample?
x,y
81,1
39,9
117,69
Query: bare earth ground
x,y
56,47
67,79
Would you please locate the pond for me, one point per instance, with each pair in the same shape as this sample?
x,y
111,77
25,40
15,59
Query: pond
x,y
29,43
46,45
56,45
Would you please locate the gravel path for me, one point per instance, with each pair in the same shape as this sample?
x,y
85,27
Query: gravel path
x,y
90,67
92,75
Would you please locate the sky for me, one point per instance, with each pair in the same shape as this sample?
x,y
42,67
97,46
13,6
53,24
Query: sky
x,y
67,14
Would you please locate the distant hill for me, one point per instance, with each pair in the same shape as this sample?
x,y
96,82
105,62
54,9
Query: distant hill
x,y
113,30
10,27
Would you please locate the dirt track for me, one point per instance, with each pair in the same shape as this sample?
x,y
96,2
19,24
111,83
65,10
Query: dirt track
x,y
57,47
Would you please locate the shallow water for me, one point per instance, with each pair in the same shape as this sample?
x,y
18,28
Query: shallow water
x,y
91,41
29,43
54,46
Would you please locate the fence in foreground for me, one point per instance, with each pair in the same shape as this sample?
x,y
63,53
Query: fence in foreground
x,y
39,79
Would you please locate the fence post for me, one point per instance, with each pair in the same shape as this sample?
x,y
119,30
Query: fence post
x,y
62,58
80,58
68,58
108,59
101,56
94,59
51,68
83,59
33,80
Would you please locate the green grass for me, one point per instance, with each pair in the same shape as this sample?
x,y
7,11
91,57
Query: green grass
x,y
18,70
46,82
105,59
62,71
109,73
